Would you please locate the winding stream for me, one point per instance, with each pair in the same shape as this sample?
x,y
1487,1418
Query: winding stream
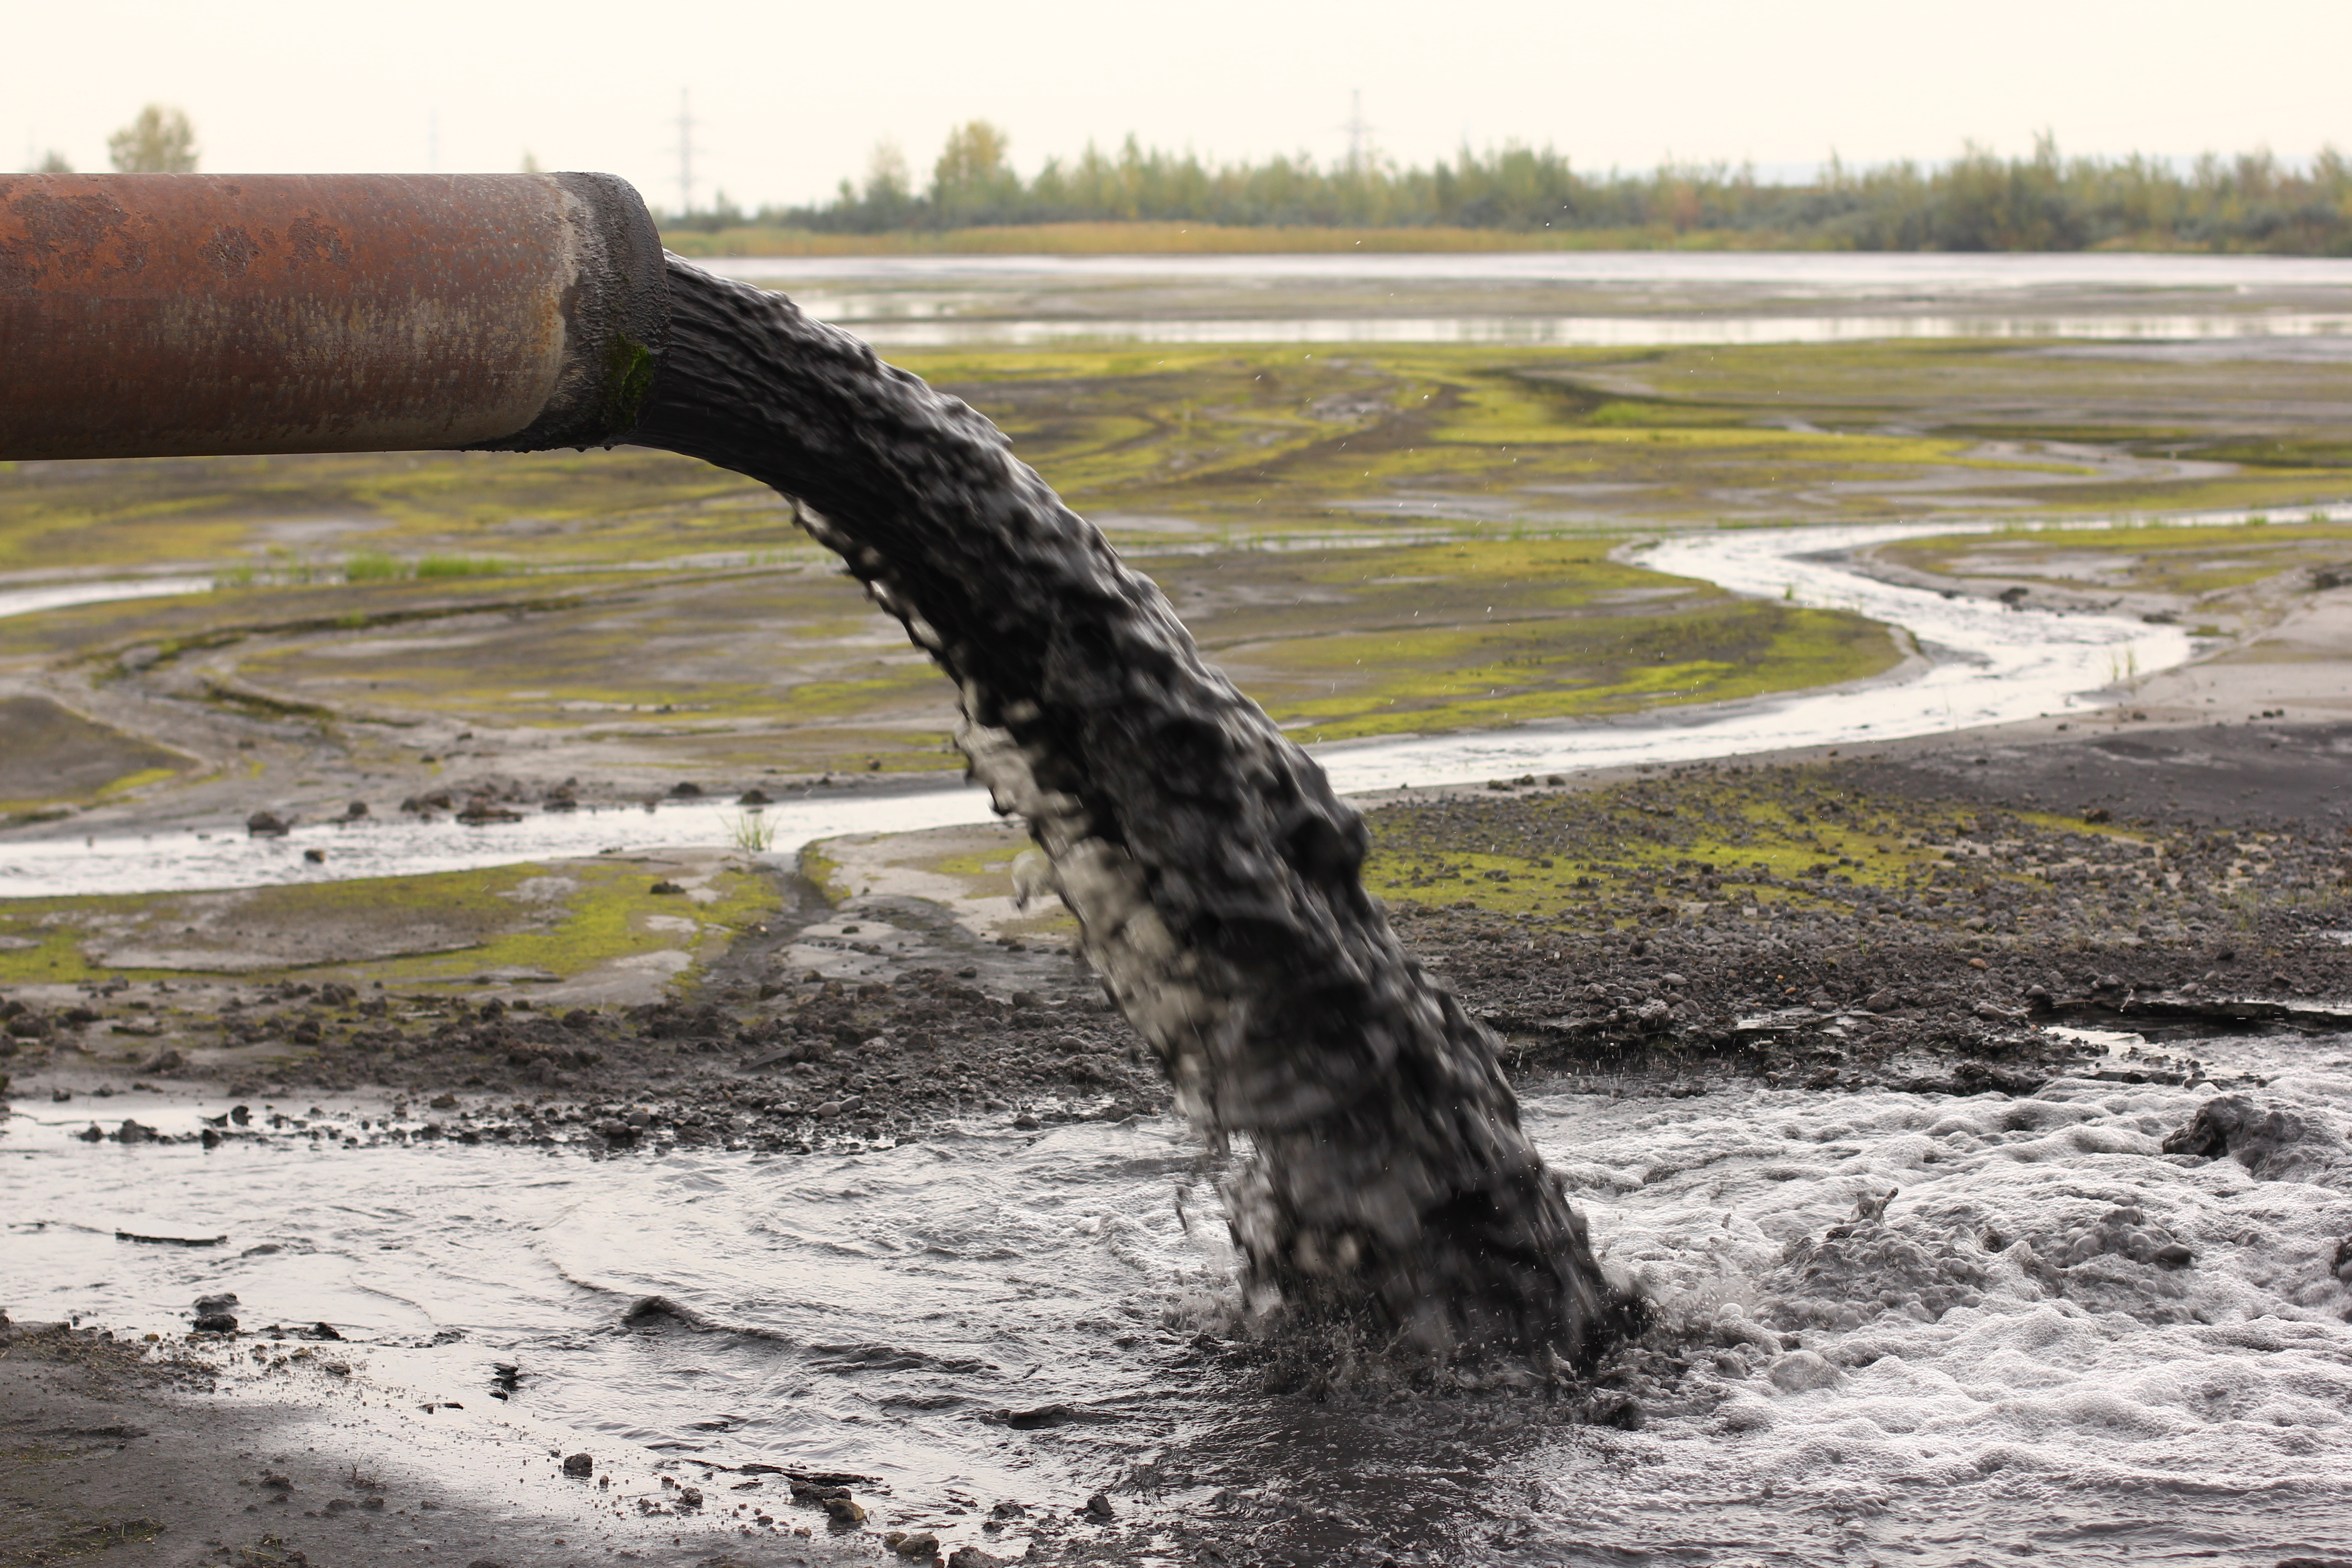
x,y
1986,664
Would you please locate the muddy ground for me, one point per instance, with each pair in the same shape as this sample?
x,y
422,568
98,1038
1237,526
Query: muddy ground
x,y
1829,924
1908,921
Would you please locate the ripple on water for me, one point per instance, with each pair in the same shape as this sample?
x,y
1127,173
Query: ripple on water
x,y
1009,1317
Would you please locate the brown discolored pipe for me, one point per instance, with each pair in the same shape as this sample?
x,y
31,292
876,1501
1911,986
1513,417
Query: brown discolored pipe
x,y
175,315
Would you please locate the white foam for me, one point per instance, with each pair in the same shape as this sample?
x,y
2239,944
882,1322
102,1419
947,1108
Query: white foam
x,y
2045,1392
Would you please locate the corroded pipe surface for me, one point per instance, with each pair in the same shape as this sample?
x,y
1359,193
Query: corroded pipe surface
x,y
171,315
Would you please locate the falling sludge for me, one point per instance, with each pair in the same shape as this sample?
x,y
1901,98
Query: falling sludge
x,y
1213,870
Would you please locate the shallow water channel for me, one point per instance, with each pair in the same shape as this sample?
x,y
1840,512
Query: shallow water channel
x,y
995,1316
1982,663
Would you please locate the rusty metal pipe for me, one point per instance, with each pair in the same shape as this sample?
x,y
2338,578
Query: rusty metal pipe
x,y
177,315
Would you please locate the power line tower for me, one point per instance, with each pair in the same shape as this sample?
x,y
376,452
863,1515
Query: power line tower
x,y
686,150
1359,132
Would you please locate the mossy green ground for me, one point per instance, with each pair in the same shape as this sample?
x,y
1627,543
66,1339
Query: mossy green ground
x,y
562,920
789,668
1370,541
1271,437
1784,842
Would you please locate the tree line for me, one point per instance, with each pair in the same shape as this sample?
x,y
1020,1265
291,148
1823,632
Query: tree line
x,y
1979,200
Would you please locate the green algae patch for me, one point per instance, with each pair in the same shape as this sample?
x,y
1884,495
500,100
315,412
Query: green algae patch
x,y
1745,844
555,920
1388,683
1476,633
1370,539
792,670
1269,438
822,872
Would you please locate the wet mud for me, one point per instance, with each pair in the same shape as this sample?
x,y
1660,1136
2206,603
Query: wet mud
x,y
1645,943
1737,1100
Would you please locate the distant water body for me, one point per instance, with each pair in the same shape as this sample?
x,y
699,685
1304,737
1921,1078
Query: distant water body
x,y
1828,272
1628,299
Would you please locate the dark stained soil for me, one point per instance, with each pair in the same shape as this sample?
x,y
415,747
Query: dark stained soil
x,y
1687,958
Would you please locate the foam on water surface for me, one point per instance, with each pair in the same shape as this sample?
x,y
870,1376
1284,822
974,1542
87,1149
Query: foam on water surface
x,y
1985,1371
1986,1367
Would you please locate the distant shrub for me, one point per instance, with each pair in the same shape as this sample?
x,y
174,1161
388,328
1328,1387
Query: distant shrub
x,y
461,566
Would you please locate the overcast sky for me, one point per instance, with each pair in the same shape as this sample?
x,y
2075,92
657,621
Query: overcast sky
x,y
790,96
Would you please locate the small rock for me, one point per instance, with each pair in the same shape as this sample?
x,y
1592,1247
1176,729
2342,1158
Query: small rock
x,y
1098,1508
845,1510
1882,1001
579,1465
755,795
358,808
922,1543
974,1557
666,886
685,789
315,856
442,1103
689,1497
1801,1371
268,825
